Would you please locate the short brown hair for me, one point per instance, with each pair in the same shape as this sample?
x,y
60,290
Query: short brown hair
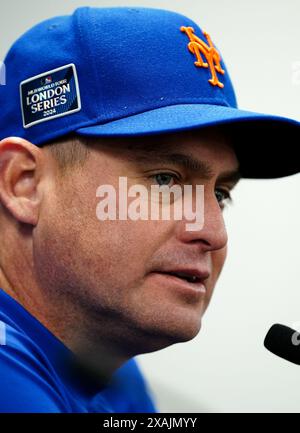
x,y
69,151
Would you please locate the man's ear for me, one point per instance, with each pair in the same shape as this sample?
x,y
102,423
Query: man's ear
x,y
20,171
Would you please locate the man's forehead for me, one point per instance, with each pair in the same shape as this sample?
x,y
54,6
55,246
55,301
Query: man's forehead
x,y
181,149
171,147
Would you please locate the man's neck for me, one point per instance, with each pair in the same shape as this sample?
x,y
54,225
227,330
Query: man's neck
x,y
95,351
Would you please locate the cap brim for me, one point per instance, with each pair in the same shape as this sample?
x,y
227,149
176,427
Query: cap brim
x,y
266,146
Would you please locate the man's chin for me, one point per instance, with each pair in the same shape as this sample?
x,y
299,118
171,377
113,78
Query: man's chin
x,y
158,338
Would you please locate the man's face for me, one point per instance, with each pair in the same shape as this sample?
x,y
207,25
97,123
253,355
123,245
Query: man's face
x,y
116,271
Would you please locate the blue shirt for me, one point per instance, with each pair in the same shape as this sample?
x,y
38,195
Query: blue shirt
x,y
37,372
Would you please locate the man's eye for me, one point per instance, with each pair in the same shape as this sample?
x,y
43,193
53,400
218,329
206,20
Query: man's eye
x,y
222,195
165,178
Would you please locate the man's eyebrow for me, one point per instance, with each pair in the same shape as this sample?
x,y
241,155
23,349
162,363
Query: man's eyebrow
x,y
186,161
194,165
232,176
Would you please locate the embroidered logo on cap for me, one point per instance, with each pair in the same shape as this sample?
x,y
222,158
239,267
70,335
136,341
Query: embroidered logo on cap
x,y
50,95
211,54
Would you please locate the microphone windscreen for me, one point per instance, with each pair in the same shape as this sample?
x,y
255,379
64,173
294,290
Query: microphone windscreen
x,y
284,342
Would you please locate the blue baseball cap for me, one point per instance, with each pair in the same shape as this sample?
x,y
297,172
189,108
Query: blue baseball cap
x,y
134,71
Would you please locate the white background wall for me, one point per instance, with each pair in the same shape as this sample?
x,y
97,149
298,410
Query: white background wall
x,y
226,368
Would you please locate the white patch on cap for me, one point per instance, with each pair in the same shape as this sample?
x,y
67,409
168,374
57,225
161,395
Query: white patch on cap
x,y
50,95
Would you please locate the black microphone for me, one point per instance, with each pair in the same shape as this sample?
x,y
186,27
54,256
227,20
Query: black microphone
x,y
284,342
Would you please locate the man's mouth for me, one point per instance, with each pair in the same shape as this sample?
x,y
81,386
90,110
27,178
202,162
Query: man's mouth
x,y
188,277
194,276
190,282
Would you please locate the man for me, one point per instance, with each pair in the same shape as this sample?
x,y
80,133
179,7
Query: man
x,y
108,94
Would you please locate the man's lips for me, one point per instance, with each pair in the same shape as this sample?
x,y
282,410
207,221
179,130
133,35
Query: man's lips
x,y
189,279
193,275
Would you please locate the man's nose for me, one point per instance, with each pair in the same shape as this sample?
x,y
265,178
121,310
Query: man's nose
x,y
212,234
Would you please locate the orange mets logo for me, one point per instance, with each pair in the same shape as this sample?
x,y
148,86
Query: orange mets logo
x,y
197,46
